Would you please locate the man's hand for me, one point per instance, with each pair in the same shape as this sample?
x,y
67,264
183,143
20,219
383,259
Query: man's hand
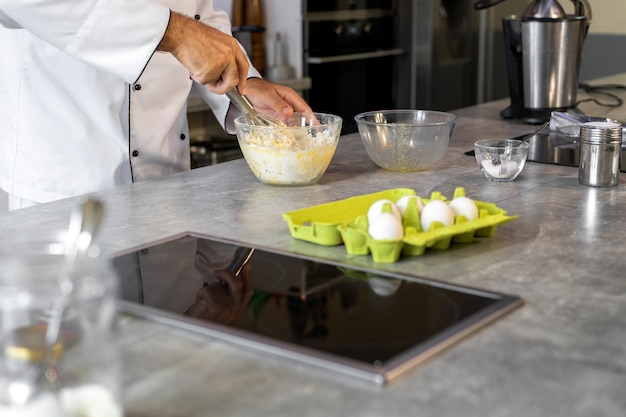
x,y
223,301
274,99
212,57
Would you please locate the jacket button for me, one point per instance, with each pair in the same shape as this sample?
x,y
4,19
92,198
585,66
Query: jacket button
x,y
137,87
135,153
197,17
182,136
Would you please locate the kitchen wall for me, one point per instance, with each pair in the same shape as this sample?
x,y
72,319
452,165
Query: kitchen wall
x,y
604,51
284,18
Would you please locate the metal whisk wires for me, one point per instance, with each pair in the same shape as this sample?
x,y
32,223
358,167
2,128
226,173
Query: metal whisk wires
x,y
254,117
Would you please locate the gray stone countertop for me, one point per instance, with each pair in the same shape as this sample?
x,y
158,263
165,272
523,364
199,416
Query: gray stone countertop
x,y
561,354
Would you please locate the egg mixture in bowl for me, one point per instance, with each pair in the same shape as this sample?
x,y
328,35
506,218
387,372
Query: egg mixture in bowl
x,y
294,154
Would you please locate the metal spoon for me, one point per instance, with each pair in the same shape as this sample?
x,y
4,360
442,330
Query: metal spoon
x,y
524,137
507,151
84,223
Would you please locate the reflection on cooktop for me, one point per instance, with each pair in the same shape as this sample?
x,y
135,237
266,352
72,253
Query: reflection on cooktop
x,y
363,323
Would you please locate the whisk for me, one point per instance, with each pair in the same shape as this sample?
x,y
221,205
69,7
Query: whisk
x,y
254,117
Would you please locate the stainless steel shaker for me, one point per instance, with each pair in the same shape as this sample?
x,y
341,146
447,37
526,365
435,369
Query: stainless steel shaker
x,y
600,154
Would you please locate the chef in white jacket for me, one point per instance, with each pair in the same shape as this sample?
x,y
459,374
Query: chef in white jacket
x,y
93,93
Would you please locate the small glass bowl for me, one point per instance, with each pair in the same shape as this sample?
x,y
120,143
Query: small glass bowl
x,y
501,160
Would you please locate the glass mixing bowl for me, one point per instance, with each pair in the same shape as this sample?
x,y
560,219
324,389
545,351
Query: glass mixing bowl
x,y
294,154
406,140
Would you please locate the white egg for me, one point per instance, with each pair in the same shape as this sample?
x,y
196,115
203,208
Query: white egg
x,y
378,207
386,226
384,286
436,211
403,203
463,206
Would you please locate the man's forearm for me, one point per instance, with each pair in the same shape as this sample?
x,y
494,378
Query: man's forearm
x,y
173,34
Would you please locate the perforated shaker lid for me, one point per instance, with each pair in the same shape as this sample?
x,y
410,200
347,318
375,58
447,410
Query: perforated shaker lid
x,y
601,132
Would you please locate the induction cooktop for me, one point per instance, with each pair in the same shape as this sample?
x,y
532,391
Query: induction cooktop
x,y
554,148
364,323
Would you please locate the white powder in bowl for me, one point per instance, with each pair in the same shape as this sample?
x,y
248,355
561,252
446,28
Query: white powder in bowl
x,y
496,171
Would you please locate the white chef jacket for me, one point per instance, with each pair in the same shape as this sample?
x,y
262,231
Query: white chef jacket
x,y
85,101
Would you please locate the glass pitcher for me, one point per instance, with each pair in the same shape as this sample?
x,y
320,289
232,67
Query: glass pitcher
x,y
58,354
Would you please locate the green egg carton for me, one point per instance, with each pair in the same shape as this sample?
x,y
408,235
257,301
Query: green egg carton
x,y
350,226
318,224
438,236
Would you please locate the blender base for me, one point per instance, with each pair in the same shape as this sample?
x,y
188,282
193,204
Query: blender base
x,y
533,116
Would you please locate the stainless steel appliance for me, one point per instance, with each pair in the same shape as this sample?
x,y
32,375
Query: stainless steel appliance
x,y
443,66
365,55
363,323
350,54
543,50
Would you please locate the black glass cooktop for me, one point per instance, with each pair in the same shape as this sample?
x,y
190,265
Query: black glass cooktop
x,y
554,148
364,323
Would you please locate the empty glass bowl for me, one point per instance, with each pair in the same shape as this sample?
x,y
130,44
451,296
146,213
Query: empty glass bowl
x,y
406,140
501,160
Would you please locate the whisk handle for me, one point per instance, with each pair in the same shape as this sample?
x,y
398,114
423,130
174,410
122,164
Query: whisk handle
x,y
240,101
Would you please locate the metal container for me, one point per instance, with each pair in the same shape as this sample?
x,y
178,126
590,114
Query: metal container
x,y
600,154
551,61
543,50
